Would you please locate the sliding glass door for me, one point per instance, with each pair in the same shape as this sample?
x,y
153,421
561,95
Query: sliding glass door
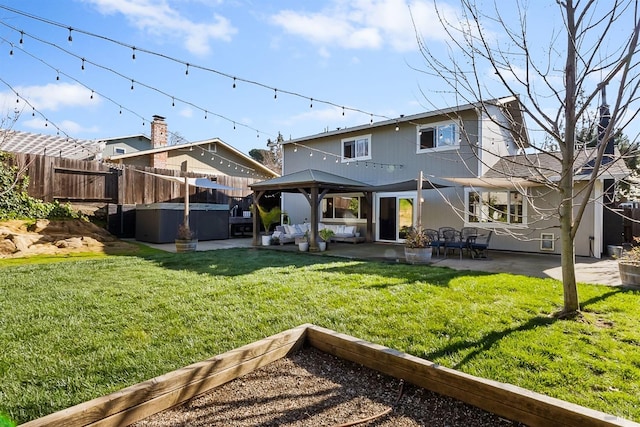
x,y
395,214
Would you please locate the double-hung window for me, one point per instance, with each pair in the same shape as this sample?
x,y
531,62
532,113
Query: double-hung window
x,y
496,206
357,148
441,135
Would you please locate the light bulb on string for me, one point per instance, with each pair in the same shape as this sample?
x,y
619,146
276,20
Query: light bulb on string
x,y
33,113
343,111
131,84
275,94
82,66
371,122
11,51
133,53
58,76
234,125
311,105
21,36
205,114
324,157
120,110
70,39
173,102
310,153
234,82
91,94
295,149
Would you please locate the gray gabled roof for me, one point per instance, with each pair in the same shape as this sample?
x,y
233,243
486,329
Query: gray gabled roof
x,y
547,166
15,141
309,178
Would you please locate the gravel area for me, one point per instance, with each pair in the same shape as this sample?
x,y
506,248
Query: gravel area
x,y
312,388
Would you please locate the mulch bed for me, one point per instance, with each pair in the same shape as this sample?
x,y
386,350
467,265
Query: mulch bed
x,y
312,388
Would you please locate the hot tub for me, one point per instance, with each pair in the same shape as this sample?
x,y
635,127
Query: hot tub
x,y
158,222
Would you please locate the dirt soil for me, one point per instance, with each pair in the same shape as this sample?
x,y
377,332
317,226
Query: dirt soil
x,y
52,237
313,388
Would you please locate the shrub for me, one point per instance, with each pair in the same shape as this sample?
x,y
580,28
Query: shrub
x,y
15,202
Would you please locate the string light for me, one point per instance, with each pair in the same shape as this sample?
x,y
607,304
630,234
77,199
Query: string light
x,y
186,73
173,102
21,36
70,39
311,105
275,94
132,84
82,66
133,53
166,57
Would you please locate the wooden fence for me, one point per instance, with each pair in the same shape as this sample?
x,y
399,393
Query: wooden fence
x,y
81,181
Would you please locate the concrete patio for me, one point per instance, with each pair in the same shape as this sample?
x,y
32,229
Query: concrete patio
x,y
588,270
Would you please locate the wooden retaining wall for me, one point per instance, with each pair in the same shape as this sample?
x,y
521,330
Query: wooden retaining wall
x,y
142,400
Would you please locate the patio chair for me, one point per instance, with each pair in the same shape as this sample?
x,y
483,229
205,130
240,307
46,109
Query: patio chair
x,y
452,241
479,246
436,242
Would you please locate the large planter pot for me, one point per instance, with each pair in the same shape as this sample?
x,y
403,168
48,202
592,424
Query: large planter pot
x,y
266,240
303,246
417,255
629,273
322,246
186,245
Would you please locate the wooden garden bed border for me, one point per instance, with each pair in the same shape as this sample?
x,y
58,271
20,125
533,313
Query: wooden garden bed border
x,y
147,398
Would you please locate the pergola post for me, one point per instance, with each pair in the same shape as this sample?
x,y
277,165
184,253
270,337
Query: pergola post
x,y
256,222
313,245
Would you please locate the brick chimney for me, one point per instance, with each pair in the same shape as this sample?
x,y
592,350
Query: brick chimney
x,y
159,139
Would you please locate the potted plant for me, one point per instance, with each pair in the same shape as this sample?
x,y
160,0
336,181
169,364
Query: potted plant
x,y
629,265
303,242
325,235
268,218
417,246
185,239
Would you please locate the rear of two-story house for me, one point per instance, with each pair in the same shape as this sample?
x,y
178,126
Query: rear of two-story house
x,y
456,150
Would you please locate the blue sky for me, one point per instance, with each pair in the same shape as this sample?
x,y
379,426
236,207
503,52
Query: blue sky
x,y
359,54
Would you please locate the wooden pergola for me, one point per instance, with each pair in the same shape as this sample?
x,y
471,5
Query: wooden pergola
x,y
314,185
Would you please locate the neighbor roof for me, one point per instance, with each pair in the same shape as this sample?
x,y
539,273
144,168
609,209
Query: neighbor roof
x,y
51,145
250,161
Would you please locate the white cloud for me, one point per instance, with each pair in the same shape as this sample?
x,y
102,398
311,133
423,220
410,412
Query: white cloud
x,y
159,18
50,97
68,126
366,24
186,112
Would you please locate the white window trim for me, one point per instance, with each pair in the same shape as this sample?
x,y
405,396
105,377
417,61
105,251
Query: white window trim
x,y
436,125
494,224
355,138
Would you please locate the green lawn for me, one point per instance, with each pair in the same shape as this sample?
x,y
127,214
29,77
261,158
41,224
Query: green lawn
x,y
82,328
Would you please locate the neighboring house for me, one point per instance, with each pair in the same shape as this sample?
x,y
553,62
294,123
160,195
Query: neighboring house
x,y
49,145
476,170
211,156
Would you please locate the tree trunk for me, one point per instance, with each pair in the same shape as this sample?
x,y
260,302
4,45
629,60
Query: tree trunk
x,y
568,259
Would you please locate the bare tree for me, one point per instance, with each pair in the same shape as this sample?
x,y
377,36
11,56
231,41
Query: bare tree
x,y
559,82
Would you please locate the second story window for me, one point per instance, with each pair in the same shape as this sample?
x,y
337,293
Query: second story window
x,y
443,135
119,150
357,148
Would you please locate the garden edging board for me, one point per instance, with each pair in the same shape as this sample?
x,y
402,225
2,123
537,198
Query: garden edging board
x,y
139,401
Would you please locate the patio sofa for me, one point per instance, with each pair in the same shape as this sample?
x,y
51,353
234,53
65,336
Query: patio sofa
x,y
341,233
289,233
